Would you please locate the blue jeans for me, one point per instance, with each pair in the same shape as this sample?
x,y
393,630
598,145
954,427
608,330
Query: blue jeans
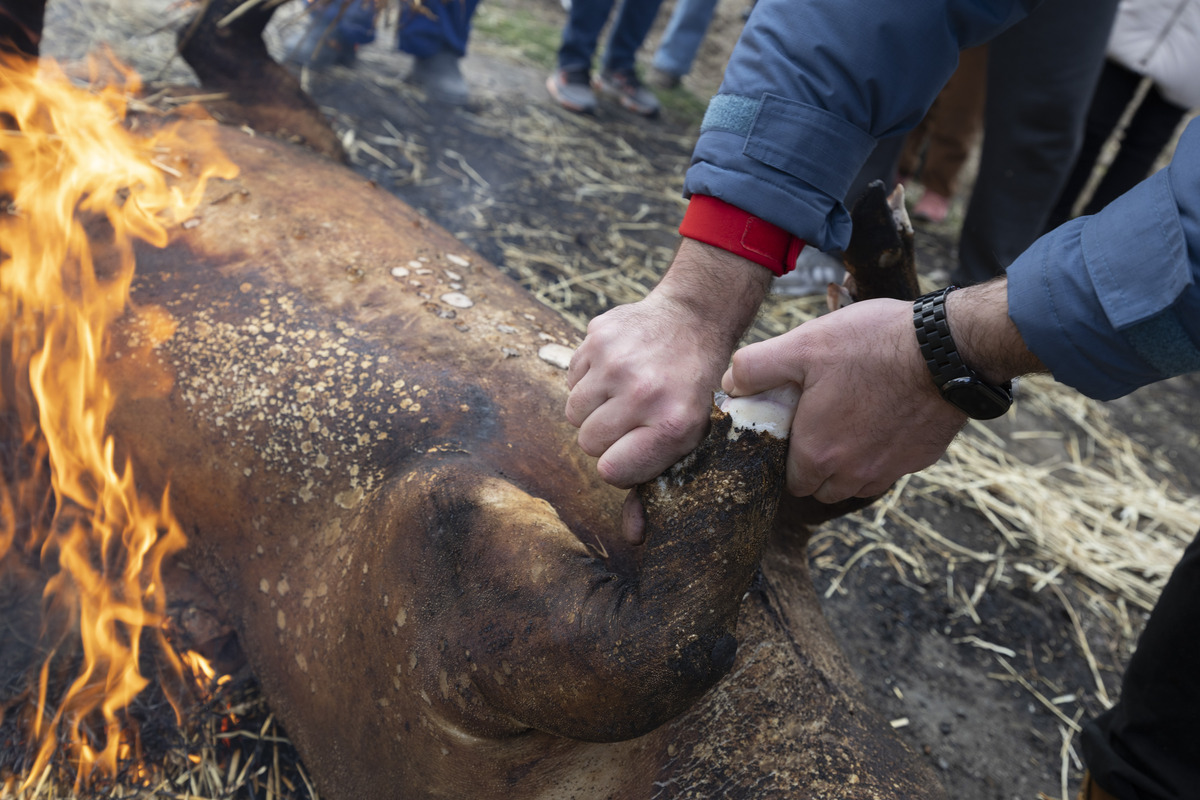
x,y
684,35
423,37
587,19
419,35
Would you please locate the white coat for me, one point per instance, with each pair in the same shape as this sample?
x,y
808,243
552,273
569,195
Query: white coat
x,y
1161,39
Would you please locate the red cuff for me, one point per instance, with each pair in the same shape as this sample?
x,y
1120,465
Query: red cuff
x,y
716,222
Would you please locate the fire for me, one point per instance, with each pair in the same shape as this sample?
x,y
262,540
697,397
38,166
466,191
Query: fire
x,y
68,170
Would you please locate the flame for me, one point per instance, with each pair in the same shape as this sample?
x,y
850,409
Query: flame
x,y
201,668
67,166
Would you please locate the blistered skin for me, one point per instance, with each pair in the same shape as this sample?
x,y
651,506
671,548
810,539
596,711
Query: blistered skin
x,y
361,424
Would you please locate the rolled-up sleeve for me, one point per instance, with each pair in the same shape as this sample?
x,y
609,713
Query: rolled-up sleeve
x,y
1111,302
812,85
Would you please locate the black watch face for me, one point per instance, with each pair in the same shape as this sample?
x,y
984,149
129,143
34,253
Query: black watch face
x,y
976,399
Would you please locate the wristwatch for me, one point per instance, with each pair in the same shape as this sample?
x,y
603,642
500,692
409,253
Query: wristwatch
x,y
960,385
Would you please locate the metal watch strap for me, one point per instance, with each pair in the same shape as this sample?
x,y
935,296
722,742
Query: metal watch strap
x,y
933,336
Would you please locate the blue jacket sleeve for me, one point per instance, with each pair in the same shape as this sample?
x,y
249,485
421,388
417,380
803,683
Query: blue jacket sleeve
x,y
809,88
1110,302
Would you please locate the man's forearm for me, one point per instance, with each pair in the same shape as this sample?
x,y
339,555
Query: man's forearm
x,y
988,341
718,286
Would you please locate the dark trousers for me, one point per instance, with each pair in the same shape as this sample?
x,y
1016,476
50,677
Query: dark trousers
x,y
1143,141
1042,73
1147,746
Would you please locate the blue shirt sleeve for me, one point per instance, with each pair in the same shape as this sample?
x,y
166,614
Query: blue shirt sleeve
x,y
809,88
1110,302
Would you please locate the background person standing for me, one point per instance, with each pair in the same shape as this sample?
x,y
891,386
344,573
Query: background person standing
x,y
1155,40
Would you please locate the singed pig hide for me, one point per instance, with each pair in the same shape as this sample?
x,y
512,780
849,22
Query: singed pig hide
x,y
362,427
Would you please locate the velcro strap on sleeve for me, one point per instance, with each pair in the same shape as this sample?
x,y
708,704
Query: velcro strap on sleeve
x,y
728,227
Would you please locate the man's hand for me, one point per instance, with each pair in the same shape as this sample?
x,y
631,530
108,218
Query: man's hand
x,y
643,379
641,388
868,412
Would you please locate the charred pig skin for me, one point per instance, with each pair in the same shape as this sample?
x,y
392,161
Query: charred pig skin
x,y
372,464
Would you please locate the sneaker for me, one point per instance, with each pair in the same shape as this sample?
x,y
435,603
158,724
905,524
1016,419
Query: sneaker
x,y
932,207
661,79
625,87
441,78
572,90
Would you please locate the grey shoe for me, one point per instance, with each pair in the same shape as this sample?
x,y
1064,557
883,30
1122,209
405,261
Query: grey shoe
x,y
572,90
624,86
661,79
441,78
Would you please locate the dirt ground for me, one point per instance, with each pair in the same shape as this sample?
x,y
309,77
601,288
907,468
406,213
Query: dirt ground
x,y
989,684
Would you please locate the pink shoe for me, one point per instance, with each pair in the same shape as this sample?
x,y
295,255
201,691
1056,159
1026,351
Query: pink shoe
x,y
932,207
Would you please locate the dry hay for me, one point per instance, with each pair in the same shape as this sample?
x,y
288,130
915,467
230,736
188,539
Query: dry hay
x,y
1096,509
230,746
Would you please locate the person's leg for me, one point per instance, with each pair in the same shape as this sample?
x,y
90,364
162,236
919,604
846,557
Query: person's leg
x,y
582,33
633,21
570,85
1149,131
618,79
437,43
1116,88
1147,746
684,34
1041,76
956,126
448,29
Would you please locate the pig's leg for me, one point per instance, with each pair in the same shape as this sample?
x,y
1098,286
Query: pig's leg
x,y
229,55
880,259
527,624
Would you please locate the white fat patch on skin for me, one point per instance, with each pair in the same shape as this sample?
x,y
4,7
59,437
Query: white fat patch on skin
x,y
770,412
556,354
457,299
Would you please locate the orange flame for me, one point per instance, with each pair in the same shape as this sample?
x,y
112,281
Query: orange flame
x,y
68,166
